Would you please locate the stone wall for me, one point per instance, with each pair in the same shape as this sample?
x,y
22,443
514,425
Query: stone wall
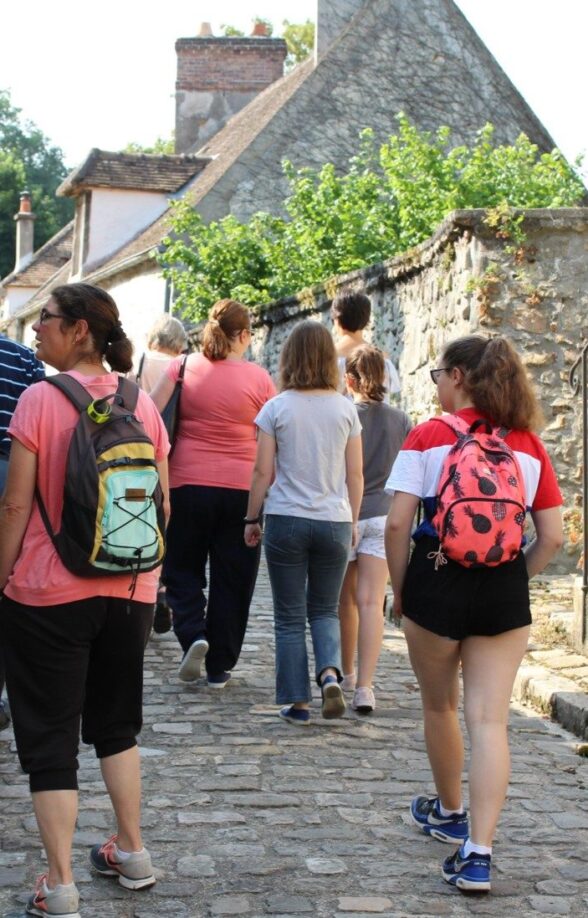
x,y
465,280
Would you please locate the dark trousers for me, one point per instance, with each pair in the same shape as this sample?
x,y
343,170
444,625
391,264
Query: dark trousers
x,y
206,524
79,660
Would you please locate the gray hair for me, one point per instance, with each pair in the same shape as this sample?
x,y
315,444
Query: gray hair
x,y
167,332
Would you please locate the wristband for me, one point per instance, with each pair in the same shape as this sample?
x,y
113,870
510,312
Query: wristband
x,y
251,522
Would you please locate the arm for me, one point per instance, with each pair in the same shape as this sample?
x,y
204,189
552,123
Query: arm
x,y
164,483
354,479
397,541
548,541
162,392
16,506
263,472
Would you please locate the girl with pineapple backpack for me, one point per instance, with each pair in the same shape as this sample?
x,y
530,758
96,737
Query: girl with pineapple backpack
x,y
465,596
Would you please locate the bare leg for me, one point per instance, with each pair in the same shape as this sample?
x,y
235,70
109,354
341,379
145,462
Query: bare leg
x,y
435,661
122,776
349,619
372,575
56,812
489,668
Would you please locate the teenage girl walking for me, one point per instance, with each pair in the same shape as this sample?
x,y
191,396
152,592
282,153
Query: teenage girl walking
x,y
383,430
310,433
478,617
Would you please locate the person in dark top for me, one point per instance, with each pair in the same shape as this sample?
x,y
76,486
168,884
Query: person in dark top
x,y
18,369
383,430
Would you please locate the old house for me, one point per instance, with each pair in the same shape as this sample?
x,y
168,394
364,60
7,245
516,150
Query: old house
x,y
238,117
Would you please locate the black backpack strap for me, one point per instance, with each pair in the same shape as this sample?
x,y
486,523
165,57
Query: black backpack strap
x,y
71,388
182,369
140,369
129,392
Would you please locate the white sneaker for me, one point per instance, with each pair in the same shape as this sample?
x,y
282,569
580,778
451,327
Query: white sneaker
x,y
191,665
364,700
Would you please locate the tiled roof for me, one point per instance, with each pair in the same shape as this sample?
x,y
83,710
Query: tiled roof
x,y
46,260
223,150
133,171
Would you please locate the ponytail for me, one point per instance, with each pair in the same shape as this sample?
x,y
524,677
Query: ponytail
x,y
226,320
366,365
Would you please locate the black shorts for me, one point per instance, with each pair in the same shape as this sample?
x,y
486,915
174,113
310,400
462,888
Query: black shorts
x,y
458,602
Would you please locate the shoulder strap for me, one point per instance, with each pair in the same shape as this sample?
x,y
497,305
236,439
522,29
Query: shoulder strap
x,y
140,369
128,391
456,424
71,388
182,369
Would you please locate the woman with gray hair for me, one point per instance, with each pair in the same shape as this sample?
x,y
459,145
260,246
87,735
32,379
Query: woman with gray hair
x,y
165,340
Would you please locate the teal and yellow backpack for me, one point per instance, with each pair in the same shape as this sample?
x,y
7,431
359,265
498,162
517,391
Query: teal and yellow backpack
x,y
112,520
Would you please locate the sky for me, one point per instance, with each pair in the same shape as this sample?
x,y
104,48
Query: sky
x,y
106,78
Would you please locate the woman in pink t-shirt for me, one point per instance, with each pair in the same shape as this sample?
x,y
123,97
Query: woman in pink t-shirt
x,y
73,645
210,473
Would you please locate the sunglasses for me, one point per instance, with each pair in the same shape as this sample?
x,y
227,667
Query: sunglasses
x,y
436,373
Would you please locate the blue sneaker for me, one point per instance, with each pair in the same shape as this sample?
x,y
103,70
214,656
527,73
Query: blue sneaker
x,y
451,829
471,873
298,716
218,680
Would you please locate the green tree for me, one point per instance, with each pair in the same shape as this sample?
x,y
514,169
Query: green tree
x,y
388,199
161,145
300,40
28,160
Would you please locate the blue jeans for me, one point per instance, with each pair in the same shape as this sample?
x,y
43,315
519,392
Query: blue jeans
x,y
306,560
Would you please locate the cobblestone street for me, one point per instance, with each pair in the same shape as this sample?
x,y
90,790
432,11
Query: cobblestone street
x,y
247,815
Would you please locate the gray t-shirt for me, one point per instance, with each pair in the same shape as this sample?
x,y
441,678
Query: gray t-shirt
x,y
383,431
311,433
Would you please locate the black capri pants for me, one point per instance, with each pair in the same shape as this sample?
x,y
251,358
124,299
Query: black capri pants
x,y
70,662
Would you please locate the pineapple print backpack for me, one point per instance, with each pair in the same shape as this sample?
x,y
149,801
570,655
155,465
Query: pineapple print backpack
x,y
112,520
480,512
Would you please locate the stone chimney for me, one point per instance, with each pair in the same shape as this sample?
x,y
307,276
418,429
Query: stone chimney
x,y
217,77
25,227
333,17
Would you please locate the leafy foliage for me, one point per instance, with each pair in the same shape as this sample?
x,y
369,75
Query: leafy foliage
x,y
300,40
28,160
161,145
387,200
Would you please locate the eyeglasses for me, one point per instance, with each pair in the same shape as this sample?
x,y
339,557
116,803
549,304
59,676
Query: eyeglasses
x,y
45,315
436,373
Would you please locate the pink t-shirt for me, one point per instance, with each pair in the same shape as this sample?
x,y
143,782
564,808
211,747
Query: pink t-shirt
x,y
44,422
215,443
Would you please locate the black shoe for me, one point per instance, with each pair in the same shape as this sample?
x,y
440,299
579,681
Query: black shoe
x,y
162,621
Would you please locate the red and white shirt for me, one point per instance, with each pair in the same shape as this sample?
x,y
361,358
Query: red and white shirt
x,y
417,468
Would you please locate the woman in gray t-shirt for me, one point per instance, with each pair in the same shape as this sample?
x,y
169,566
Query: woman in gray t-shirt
x,y
309,436
383,430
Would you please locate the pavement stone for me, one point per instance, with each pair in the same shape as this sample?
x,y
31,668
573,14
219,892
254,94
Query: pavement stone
x,y
247,815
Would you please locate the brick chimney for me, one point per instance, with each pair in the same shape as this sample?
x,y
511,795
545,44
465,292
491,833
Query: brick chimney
x,y
217,77
25,227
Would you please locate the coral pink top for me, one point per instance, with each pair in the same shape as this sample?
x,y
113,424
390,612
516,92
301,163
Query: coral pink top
x,y
215,443
44,422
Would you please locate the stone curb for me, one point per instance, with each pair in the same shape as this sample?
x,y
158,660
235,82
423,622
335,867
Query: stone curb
x,y
554,695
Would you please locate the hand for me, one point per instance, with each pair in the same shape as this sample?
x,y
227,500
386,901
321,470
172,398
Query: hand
x,y
397,611
354,534
252,534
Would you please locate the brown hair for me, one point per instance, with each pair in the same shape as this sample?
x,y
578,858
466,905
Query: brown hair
x,y
96,306
352,310
308,359
226,320
366,365
495,380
